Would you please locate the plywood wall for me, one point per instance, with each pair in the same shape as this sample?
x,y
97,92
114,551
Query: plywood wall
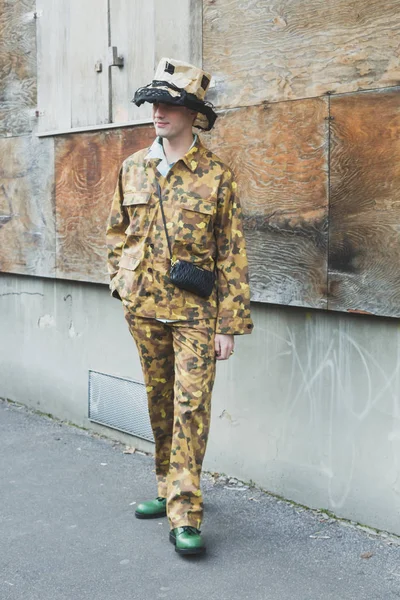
x,y
364,224
27,223
287,49
279,154
87,167
316,154
308,95
17,67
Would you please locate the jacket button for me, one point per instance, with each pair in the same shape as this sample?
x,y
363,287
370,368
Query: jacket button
x,y
151,245
150,270
148,294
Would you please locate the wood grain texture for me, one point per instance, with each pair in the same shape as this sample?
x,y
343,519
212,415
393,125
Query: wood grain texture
x,y
145,32
364,235
132,31
17,67
279,156
71,38
27,225
87,167
88,45
54,65
280,49
178,30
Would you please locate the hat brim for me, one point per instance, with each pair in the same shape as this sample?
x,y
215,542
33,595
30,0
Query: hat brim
x,y
206,115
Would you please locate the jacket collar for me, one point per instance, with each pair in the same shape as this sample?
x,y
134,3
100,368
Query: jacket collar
x,y
191,158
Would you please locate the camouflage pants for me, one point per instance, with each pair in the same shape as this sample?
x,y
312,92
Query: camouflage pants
x,y
178,362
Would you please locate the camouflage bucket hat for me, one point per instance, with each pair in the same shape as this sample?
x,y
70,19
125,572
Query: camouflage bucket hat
x,y
179,83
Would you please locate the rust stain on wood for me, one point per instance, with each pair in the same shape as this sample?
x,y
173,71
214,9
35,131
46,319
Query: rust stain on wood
x,y
279,156
27,228
283,50
364,235
86,175
17,67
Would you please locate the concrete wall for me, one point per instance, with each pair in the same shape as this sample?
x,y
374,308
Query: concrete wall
x,y
308,407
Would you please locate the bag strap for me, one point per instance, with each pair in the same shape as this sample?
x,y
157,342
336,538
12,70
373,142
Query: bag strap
x,y
163,217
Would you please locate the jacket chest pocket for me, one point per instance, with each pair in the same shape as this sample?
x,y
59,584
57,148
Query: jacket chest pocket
x,y
137,206
196,221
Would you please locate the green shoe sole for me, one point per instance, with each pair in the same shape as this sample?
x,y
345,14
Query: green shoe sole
x,y
186,551
153,516
151,509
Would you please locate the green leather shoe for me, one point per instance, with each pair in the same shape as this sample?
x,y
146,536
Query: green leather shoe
x,y
187,540
152,509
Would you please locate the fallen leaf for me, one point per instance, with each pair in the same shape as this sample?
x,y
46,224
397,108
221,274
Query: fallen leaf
x,y
129,450
366,555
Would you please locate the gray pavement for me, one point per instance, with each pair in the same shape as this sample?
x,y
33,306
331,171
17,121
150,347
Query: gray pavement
x,y
68,531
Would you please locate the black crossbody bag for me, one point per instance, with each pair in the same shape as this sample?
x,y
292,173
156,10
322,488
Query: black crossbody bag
x,y
184,274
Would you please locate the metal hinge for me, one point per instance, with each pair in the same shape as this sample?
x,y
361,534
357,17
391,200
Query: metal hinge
x,y
113,59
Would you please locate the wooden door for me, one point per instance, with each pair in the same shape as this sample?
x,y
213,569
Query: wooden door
x,y
144,32
72,37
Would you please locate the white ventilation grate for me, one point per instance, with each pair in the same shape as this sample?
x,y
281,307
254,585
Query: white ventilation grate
x,y
119,403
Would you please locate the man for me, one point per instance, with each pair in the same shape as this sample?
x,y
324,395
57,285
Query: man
x,y
179,334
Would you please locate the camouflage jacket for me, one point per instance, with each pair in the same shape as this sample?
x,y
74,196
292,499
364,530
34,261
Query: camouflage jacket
x,y
204,223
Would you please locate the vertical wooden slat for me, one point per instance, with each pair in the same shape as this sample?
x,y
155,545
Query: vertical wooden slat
x,y
89,44
87,167
17,67
364,234
132,31
27,226
144,32
178,30
279,155
54,65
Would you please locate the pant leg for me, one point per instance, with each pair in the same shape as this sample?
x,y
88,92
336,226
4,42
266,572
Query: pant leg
x,y
155,346
194,380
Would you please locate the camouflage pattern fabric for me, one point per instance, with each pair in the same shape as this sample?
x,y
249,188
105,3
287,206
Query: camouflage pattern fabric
x,y
178,362
204,221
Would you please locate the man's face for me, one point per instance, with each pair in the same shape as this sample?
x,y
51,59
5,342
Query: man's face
x,y
171,121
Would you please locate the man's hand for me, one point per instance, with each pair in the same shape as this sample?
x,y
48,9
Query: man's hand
x,y
224,345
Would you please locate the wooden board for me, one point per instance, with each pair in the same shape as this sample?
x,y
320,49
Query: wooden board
x,y
17,67
279,156
132,31
178,30
87,167
144,32
54,65
364,235
71,40
88,45
27,226
280,49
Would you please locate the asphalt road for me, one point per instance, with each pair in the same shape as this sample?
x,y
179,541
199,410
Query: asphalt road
x,y
67,531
